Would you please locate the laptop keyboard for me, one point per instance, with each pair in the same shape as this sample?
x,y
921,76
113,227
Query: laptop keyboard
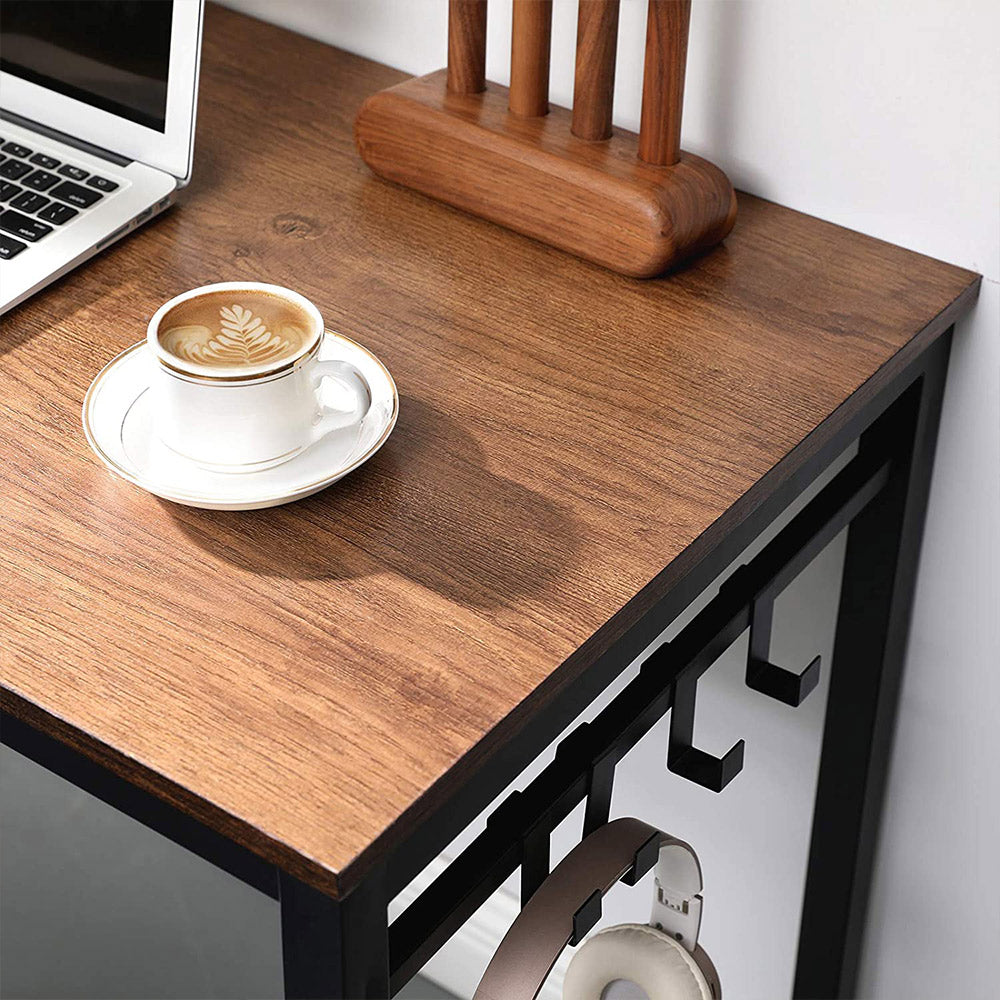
x,y
39,193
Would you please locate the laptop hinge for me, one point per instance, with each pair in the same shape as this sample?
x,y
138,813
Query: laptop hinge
x,y
69,140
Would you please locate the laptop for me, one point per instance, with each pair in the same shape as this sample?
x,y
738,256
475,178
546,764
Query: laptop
x,y
97,114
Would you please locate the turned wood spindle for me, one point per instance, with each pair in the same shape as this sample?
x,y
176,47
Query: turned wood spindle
x,y
531,41
663,81
466,46
594,84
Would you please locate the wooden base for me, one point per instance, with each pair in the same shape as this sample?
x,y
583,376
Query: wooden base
x,y
597,200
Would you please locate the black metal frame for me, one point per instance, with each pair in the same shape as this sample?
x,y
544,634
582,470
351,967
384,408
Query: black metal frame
x,y
345,948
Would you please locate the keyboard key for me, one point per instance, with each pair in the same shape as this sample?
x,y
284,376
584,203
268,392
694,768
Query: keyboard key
x,y
10,247
68,170
40,180
8,189
102,183
49,162
29,201
74,194
3,156
15,150
23,226
13,169
58,213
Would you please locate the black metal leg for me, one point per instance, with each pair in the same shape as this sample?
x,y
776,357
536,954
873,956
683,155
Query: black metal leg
x,y
335,949
879,575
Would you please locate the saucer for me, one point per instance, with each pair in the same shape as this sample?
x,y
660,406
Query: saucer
x,y
118,423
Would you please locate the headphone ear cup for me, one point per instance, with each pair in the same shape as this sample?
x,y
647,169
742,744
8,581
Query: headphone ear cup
x,y
646,956
707,967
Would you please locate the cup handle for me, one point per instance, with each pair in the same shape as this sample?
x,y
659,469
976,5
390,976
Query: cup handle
x,y
347,375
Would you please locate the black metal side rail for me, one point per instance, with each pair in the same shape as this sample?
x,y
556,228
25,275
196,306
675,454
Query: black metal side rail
x,y
518,831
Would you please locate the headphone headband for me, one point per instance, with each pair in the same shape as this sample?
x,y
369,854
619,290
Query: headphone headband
x,y
568,903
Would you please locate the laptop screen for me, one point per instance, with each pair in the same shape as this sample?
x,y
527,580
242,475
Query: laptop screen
x,y
112,54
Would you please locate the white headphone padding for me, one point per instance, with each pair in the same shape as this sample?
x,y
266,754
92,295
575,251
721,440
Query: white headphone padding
x,y
642,954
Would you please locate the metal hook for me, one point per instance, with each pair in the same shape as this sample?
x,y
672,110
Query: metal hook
x,y
687,760
763,675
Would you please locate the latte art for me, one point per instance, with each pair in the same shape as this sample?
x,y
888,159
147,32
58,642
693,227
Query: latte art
x,y
243,339
222,333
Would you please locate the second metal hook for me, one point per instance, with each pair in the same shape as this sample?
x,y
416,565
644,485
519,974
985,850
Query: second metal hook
x,y
763,675
687,760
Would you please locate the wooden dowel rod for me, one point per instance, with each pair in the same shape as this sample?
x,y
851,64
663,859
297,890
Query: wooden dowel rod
x,y
531,40
594,84
466,46
663,81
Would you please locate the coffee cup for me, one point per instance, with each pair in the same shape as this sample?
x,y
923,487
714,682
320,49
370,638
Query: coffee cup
x,y
238,379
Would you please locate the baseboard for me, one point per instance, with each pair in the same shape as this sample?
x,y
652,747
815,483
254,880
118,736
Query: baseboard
x,y
460,964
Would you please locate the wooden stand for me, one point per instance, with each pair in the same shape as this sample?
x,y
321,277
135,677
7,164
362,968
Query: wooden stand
x,y
634,204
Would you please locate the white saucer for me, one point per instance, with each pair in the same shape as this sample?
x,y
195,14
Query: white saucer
x,y
118,422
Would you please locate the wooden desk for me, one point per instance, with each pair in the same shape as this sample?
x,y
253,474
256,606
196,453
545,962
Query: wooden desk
x,y
323,695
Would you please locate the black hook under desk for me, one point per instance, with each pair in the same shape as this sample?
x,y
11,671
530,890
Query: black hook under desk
x,y
762,675
687,760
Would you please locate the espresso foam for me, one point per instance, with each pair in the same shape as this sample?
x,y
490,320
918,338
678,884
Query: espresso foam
x,y
235,329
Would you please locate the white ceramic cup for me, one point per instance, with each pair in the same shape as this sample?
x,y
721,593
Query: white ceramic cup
x,y
248,418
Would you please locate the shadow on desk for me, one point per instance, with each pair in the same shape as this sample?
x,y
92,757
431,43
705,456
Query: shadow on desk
x,y
483,535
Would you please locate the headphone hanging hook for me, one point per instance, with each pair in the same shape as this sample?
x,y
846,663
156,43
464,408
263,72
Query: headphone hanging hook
x,y
762,675
713,773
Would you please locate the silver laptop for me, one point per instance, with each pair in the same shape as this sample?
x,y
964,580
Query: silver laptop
x,y
97,112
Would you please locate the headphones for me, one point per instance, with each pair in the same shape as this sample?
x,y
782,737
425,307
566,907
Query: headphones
x,y
662,957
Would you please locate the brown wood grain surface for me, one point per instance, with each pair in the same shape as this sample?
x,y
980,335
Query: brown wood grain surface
x,y
594,79
310,679
530,49
667,25
597,200
466,46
